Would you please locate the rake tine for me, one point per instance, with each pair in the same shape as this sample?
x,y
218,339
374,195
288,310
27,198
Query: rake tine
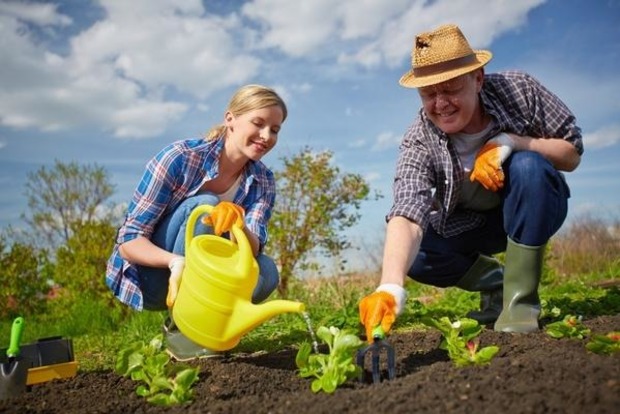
x,y
376,372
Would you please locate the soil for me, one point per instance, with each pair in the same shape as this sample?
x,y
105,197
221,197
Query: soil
x,y
532,373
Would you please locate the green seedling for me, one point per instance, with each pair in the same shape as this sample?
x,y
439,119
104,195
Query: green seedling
x,y
460,339
569,327
164,383
335,368
605,344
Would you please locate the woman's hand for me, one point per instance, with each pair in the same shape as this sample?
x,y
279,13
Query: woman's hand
x,y
224,216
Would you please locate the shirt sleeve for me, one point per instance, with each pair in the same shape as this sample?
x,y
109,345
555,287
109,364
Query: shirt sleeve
x,y
550,117
153,194
413,181
259,204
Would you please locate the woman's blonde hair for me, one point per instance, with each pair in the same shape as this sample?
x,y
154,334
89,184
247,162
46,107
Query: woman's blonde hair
x,y
246,99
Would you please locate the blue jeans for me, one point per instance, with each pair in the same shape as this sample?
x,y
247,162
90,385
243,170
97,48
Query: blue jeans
x,y
534,206
170,235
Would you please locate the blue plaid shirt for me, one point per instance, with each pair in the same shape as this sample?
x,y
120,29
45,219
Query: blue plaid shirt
x,y
429,174
175,173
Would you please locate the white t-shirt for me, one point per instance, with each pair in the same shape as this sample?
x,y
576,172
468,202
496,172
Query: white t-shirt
x,y
229,194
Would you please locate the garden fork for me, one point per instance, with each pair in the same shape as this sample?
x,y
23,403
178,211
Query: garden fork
x,y
375,349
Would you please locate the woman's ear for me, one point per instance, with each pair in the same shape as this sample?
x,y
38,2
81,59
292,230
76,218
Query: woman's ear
x,y
228,118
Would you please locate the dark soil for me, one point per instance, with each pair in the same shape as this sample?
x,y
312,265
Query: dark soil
x,y
532,373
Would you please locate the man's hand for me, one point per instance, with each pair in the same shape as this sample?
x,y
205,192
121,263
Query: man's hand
x,y
223,216
381,308
488,165
176,266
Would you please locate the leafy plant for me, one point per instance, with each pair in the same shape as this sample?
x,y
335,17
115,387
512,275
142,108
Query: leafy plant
x,y
335,368
164,383
460,339
605,344
569,327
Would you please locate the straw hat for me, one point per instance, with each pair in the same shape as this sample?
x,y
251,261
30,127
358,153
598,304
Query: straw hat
x,y
441,55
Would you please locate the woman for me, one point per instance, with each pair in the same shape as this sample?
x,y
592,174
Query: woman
x,y
223,170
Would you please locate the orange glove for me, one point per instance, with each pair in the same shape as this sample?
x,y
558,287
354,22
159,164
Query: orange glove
x,y
223,216
488,164
381,308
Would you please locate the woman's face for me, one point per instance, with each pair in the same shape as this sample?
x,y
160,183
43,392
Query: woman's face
x,y
452,105
253,134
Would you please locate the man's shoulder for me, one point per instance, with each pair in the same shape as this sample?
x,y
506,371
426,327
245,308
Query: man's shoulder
x,y
509,76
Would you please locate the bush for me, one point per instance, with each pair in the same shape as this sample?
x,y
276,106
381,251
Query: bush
x,y
26,276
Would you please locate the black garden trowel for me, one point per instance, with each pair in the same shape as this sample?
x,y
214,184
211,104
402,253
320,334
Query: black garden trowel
x,y
14,372
375,350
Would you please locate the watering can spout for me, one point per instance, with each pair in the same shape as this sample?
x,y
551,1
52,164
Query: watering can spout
x,y
247,315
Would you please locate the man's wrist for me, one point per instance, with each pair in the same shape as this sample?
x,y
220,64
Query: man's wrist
x,y
399,293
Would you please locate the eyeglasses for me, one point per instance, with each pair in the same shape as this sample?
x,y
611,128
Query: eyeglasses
x,y
449,88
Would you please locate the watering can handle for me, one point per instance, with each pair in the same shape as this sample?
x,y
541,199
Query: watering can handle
x,y
245,250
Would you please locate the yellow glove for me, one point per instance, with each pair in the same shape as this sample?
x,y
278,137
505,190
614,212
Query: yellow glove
x,y
488,164
381,308
224,216
176,266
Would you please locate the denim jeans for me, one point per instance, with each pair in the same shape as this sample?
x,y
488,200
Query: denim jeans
x,y
170,235
534,206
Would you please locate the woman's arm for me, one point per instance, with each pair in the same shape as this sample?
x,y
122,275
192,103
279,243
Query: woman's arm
x,y
143,252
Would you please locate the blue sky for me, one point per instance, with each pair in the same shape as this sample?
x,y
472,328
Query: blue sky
x,y
113,81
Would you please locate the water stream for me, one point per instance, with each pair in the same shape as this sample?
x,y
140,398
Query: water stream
x,y
315,344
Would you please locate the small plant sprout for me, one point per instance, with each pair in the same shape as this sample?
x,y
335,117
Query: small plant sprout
x,y
460,339
605,344
569,327
164,383
335,368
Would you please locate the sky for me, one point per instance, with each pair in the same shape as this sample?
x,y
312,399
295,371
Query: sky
x,y
113,81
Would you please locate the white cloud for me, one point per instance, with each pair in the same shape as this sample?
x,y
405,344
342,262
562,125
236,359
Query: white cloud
x,y
394,39
604,137
372,176
114,72
386,140
358,143
37,13
118,75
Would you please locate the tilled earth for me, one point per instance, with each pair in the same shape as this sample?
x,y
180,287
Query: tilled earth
x,y
532,373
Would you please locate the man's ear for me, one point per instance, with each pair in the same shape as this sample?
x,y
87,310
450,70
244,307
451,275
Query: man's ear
x,y
479,75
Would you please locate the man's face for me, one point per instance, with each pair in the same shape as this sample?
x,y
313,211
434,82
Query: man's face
x,y
453,105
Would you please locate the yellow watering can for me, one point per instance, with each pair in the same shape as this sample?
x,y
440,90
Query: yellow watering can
x,y
213,307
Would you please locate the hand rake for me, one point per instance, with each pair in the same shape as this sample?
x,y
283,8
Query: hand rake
x,y
375,350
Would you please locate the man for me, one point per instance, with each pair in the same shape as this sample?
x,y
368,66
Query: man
x,y
478,174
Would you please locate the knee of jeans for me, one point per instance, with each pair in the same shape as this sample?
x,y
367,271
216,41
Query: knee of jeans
x,y
268,278
527,165
190,203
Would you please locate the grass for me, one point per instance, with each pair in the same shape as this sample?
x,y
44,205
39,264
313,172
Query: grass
x,y
98,333
579,278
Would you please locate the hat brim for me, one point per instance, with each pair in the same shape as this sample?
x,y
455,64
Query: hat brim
x,y
408,80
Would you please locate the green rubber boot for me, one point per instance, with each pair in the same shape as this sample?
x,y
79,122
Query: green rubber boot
x,y
521,279
486,276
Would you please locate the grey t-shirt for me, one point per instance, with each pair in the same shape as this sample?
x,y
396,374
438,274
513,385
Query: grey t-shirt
x,y
473,195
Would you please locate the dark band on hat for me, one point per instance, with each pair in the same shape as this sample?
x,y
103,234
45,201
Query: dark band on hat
x,y
446,66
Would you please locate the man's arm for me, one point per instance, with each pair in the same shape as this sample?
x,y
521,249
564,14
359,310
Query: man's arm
x,y
559,152
402,243
381,307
